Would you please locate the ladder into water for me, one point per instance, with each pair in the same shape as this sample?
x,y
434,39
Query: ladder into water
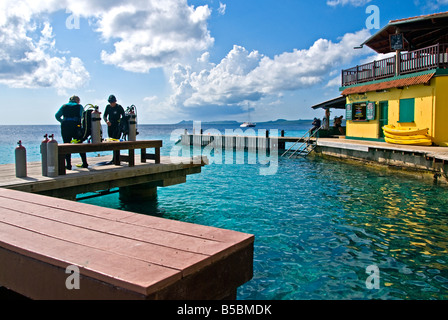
x,y
307,144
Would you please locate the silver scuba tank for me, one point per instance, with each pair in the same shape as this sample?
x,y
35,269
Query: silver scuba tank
x,y
20,157
52,157
96,126
132,124
43,152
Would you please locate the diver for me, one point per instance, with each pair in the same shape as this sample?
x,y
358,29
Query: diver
x,y
70,115
113,114
316,125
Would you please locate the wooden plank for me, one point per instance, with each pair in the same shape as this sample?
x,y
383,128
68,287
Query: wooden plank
x,y
154,223
108,146
163,238
96,177
132,274
123,245
182,261
37,280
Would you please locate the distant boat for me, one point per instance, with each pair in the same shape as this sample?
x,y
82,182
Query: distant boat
x,y
248,125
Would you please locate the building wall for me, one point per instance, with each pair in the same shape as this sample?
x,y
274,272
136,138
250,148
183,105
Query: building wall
x,y
441,115
423,113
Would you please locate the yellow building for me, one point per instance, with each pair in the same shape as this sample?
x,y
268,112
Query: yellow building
x,y
408,89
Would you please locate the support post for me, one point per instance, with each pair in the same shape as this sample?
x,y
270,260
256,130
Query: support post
x,y
138,193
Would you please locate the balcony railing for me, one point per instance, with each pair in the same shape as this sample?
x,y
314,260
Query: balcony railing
x,y
432,57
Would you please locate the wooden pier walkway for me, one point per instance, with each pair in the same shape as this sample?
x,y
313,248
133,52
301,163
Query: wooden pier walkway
x,y
119,255
425,161
231,142
101,177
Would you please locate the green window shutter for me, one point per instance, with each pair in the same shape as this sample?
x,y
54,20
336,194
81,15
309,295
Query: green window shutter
x,y
371,110
407,108
348,112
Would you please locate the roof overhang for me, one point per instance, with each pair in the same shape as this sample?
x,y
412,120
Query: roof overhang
x,y
418,32
397,82
337,103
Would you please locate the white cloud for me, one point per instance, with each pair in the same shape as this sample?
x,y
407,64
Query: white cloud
x,y
356,3
150,99
154,34
335,82
145,33
244,76
27,54
377,57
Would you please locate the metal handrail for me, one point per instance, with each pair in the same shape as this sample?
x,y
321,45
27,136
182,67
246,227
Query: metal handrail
x,y
303,137
306,142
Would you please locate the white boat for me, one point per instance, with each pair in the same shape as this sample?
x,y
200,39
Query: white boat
x,y
248,125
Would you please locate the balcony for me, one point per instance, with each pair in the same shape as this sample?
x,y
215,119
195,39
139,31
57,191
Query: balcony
x,y
428,58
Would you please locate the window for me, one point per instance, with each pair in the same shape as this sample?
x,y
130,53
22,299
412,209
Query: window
x,y
359,111
407,107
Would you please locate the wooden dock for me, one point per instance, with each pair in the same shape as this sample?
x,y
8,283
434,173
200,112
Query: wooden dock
x,y
140,180
425,161
236,142
44,241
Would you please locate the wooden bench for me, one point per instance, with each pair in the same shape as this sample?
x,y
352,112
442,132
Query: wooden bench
x,y
69,148
119,254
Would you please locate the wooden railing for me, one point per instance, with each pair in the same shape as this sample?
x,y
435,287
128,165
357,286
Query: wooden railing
x,y
69,148
432,57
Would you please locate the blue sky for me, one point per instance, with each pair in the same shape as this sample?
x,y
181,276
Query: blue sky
x,y
185,60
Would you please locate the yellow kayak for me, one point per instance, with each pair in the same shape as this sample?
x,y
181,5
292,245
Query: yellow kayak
x,y
413,137
417,142
404,131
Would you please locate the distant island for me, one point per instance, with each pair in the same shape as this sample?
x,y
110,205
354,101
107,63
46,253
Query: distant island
x,y
231,122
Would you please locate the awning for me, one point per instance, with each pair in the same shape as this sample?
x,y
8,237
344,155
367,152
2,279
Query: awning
x,y
337,103
418,32
394,83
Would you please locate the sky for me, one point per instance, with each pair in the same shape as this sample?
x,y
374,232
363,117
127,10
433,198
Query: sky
x,y
201,60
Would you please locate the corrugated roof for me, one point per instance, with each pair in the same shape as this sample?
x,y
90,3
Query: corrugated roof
x,y
403,82
427,16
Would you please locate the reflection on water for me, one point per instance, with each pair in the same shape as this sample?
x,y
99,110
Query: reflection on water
x,y
318,225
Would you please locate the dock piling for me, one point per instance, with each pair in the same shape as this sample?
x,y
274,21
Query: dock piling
x,y
138,193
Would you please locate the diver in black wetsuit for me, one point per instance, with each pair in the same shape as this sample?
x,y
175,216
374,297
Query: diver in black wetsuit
x,y
70,115
113,114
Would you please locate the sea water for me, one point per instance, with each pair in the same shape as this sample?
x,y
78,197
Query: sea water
x,y
323,229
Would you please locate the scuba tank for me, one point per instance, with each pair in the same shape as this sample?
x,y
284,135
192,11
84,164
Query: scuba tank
x,y
132,123
20,154
96,126
52,157
43,152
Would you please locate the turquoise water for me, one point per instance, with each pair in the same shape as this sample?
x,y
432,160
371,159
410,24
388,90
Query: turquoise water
x,y
318,224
